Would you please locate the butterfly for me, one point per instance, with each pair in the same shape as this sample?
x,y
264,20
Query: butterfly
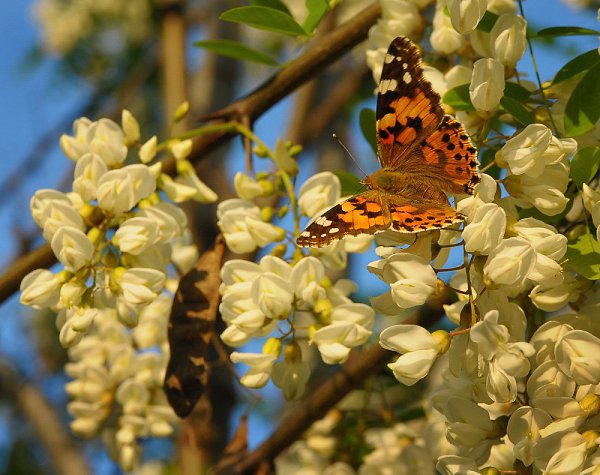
x,y
423,153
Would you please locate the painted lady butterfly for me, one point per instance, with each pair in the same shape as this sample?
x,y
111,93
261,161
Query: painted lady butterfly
x,y
423,155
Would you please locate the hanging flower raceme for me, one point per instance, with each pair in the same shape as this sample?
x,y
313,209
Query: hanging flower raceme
x,y
113,235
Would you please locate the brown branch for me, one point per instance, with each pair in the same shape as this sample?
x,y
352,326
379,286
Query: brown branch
x,y
317,57
66,457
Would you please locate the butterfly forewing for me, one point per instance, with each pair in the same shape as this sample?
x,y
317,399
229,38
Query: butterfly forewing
x,y
366,213
408,109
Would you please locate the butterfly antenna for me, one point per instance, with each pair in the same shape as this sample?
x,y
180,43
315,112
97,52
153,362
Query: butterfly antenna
x,y
335,137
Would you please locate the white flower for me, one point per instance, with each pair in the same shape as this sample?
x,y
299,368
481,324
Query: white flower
x,y
508,39
171,220
90,167
399,17
523,152
263,233
40,288
412,279
468,424
72,248
545,192
551,297
465,15
188,177
135,235
319,192
120,190
418,347
510,262
140,286
241,223
444,37
454,464
104,138
246,187
307,274
523,431
486,229
350,326
578,356
175,190
52,210
272,295
75,146
260,364
560,452
590,197
487,84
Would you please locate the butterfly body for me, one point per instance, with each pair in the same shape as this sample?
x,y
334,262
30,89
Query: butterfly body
x,y
423,154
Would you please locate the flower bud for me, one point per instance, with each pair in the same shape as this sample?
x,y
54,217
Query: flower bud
x,y
487,84
272,347
131,127
466,14
181,111
590,404
508,39
148,150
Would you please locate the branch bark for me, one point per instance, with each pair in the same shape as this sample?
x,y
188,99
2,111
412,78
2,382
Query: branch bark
x,y
316,57
66,457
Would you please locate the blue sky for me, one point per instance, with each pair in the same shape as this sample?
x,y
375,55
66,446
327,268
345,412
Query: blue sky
x,y
34,102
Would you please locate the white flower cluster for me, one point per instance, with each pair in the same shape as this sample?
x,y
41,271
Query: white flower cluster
x,y
64,24
106,367
293,297
492,372
115,236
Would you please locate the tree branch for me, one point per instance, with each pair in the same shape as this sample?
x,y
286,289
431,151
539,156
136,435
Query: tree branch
x,y
66,457
349,377
317,57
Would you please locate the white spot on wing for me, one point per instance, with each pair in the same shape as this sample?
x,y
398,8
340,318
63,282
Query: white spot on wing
x,y
334,230
404,65
386,85
388,58
407,78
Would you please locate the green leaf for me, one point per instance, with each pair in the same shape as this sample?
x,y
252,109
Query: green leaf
x,y
583,256
577,65
487,22
517,110
366,119
276,4
584,165
264,18
458,98
316,11
582,111
236,50
350,182
516,91
566,31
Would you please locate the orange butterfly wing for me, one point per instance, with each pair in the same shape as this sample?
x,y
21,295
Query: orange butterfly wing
x,y
366,213
408,109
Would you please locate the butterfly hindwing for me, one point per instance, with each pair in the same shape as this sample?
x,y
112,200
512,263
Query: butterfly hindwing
x,y
410,218
451,156
365,213
408,109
